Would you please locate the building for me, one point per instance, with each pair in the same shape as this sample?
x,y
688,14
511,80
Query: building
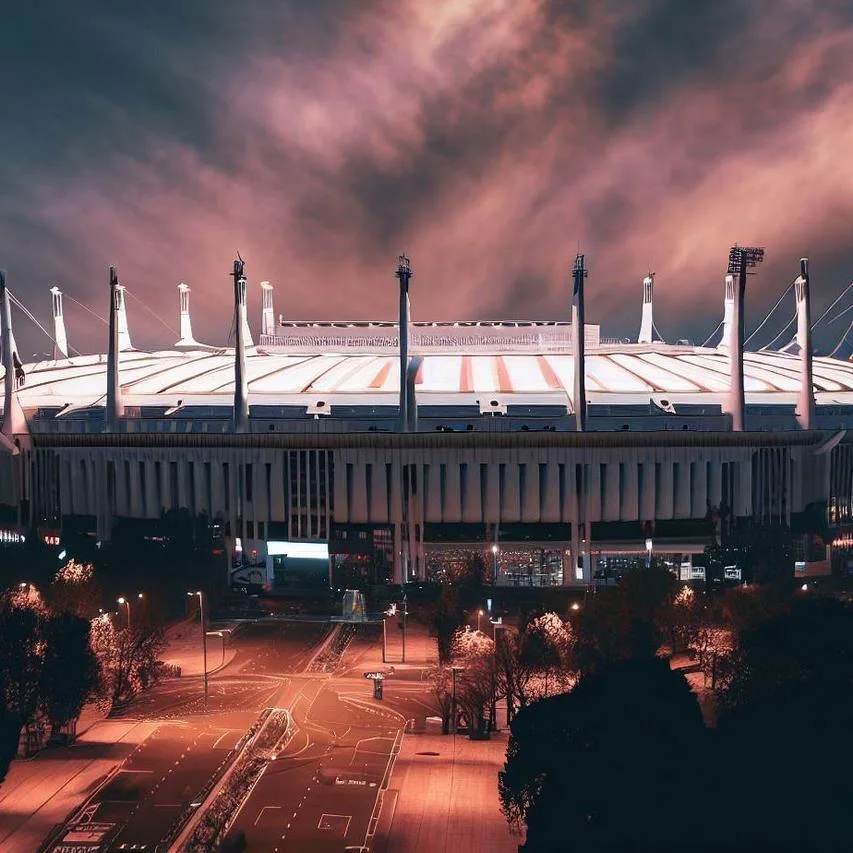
x,y
406,446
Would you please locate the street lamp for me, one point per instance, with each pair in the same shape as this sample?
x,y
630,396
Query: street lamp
x,y
126,603
649,545
453,712
495,551
200,595
479,617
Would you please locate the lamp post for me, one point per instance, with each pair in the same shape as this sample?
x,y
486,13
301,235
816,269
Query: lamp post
x,y
649,546
479,617
453,713
126,603
200,595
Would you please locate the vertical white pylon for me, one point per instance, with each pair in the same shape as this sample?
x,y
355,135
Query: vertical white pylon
x,y
267,313
241,326
14,422
728,312
60,345
124,343
647,323
115,406
187,338
806,402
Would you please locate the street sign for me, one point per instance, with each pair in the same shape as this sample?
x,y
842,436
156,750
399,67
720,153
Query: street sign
x,y
375,676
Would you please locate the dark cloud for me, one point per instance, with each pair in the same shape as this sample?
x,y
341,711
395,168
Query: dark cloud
x,y
488,138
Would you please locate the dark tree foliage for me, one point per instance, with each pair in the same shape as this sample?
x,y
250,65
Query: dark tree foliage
x,y
70,671
811,642
606,630
602,767
444,618
20,669
784,726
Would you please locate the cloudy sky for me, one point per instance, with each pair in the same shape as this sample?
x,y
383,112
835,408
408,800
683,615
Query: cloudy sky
x,y
489,139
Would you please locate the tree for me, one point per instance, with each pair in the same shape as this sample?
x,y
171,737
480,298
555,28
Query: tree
x,y
69,673
127,659
75,590
21,658
596,768
534,663
808,643
445,619
785,713
476,682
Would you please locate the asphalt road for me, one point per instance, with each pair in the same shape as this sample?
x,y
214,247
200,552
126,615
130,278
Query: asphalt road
x,y
140,804
320,794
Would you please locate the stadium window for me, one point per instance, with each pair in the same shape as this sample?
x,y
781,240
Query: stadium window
x,y
248,470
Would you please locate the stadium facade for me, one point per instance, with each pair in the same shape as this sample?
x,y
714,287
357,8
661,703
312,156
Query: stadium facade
x,y
407,445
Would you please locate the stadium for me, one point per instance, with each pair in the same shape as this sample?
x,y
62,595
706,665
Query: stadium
x,y
402,448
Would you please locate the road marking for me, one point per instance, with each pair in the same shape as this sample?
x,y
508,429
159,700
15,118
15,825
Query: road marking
x,y
261,812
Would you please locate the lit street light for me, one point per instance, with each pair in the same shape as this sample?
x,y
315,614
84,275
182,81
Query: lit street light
x,y
200,595
126,603
479,617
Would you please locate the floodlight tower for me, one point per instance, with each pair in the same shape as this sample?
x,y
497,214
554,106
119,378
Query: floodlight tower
x,y
241,385
741,260
115,406
806,403
404,274
647,322
579,273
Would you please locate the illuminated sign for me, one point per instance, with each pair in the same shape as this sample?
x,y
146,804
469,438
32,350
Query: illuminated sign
x,y
298,550
732,573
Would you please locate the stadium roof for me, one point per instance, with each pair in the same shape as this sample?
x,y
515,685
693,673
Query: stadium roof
x,y
628,373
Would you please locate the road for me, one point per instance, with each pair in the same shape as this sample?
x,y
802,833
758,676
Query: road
x,y
140,804
320,794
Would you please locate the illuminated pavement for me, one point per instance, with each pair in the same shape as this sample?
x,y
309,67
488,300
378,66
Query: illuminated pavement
x,y
191,743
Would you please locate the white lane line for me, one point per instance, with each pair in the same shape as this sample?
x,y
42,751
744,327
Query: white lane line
x,y
261,812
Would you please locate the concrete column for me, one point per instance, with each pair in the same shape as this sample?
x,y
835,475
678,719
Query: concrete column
x,y
66,493
551,491
699,490
715,483
511,498
612,492
743,488
217,487
397,573
183,484
682,507
452,509
358,507
531,511
492,508
472,505
378,499
202,499
137,495
340,503
629,511
593,498
569,508
150,498
666,492
433,503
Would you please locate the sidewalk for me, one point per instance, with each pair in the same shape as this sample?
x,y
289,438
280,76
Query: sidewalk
x,y
184,649
446,802
39,793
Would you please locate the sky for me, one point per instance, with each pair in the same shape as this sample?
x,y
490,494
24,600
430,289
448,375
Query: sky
x,y
488,139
